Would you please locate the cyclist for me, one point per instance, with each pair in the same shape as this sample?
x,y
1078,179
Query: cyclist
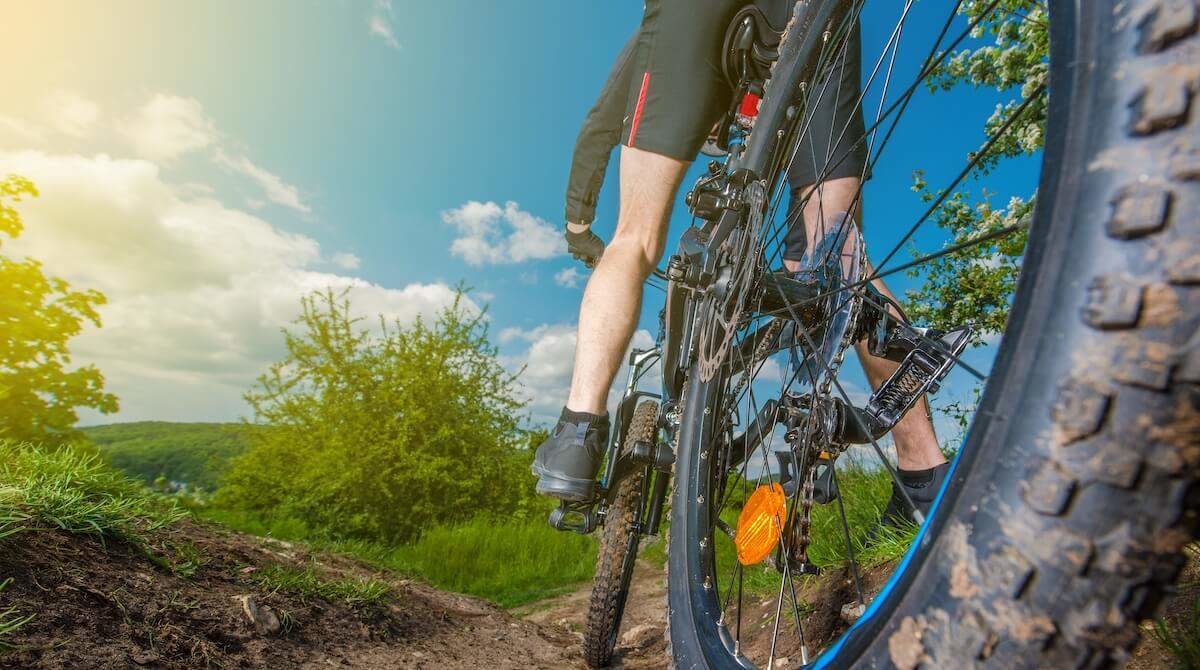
x,y
662,97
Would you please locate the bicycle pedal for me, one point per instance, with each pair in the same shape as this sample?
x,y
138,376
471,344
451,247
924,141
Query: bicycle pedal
x,y
921,372
575,517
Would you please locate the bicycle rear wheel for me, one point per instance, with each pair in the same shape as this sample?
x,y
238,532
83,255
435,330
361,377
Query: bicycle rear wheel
x,y
1075,491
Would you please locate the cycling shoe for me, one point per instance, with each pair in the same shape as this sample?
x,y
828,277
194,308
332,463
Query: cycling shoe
x,y
567,462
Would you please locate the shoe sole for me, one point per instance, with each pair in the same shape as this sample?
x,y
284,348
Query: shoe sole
x,y
563,488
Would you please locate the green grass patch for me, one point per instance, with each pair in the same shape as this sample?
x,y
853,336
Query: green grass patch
x,y
280,528
307,583
654,550
507,562
75,491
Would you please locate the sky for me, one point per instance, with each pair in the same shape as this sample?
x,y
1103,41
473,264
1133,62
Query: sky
x,y
206,164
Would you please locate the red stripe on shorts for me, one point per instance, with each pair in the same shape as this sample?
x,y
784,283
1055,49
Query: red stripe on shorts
x,y
641,103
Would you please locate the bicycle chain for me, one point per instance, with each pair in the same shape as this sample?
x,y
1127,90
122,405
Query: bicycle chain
x,y
809,455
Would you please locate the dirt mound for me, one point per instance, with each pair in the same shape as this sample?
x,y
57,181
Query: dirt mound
x,y
113,606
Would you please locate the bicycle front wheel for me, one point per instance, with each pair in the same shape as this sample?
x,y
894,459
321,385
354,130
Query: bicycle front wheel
x,y
1074,493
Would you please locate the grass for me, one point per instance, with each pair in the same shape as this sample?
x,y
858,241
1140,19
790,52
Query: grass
x,y
507,562
307,583
10,621
76,492
1182,641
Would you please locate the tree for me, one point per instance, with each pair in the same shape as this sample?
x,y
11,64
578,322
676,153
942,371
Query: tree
x,y
39,394
975,285
378,436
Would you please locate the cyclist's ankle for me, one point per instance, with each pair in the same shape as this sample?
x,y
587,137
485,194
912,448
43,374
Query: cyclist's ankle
x,y
575,416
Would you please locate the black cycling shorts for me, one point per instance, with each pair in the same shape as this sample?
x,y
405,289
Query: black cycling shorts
x,y
666,91
834,145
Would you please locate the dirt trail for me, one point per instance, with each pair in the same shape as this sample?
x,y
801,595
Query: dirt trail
x,y
111,606
641,643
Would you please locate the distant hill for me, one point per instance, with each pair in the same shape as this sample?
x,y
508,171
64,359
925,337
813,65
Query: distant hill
x,y
194,453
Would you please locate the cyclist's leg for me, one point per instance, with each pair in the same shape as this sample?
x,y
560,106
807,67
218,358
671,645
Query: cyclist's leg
x,y
676,94
613,298
832,156
916,443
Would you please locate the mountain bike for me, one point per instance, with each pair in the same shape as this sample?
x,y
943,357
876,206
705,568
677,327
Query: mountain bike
x,y
1074,491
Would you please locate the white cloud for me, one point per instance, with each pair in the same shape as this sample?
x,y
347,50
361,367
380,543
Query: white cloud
x,y
491,234
169,126
568,277
275,188
71,114
197,291
346,260
380,23
549,359
20,130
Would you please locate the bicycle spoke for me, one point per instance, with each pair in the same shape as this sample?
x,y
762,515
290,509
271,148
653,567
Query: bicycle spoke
x,y
846,535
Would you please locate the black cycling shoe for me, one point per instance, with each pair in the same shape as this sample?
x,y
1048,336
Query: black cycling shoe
x,y
922,487
567,462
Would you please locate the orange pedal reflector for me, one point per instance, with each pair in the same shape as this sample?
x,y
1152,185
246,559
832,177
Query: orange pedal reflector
x,y
760,524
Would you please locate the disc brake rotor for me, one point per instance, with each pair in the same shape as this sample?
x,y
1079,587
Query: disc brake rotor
x,y
726,300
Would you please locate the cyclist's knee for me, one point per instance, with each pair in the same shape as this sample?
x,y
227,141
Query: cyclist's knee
x,y
641,247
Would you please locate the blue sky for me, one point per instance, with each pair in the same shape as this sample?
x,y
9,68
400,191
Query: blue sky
x,y
331,142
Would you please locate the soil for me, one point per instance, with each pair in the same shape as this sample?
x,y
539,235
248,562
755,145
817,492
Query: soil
x,y
109,605
99,606
642,642
1177,612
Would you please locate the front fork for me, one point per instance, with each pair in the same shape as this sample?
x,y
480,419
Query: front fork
x,y
656,460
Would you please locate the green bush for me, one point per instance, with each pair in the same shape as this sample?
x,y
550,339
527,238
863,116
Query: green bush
x,y
375,435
